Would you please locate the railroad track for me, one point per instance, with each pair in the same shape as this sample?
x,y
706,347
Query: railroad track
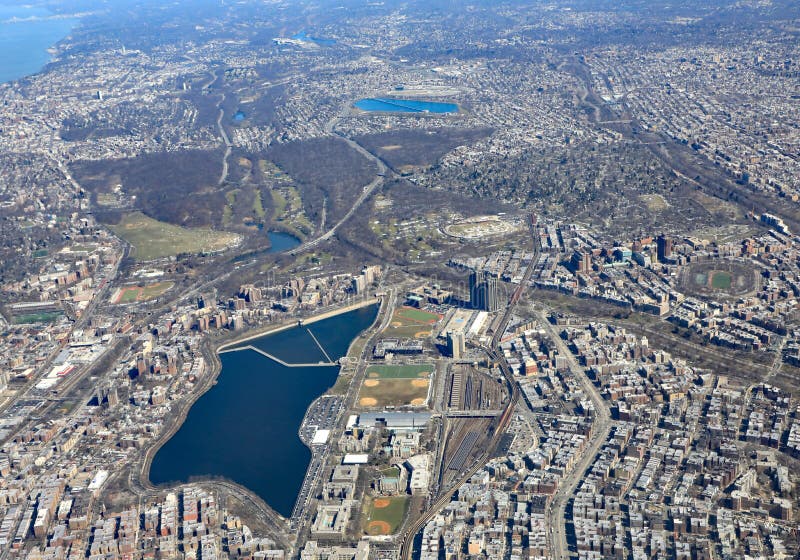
x,y
407,540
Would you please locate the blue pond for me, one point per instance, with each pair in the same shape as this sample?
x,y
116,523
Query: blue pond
x,y
390,105
281,241
239,116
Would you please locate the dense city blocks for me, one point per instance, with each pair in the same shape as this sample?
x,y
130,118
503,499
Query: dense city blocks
x,y
399,280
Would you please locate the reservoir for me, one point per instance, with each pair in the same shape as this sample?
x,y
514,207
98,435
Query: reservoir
x,y
391,105
245,428
303,36
26,32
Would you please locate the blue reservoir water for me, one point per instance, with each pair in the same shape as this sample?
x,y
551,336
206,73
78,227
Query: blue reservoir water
x,y
389,105
245,427
281,241
239,116
26,32
302,36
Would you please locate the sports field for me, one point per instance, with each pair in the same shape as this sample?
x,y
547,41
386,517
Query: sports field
x,y
43,317
152,239
408,322
411,371
716,279
134,294
385,515
721,280
400,385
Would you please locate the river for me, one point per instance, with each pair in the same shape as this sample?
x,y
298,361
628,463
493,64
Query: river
x,y
26,34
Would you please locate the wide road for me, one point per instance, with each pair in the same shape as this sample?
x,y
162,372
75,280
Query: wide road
x,y
556,512
101,296
330,128
227,141
301,522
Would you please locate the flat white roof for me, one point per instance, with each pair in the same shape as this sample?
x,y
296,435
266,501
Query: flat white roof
x,y
355,459
320,437
98,479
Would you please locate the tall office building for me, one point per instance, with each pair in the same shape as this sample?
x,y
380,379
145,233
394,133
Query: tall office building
x,y
358,284
455,345
492,294
483,291
664,246
473,288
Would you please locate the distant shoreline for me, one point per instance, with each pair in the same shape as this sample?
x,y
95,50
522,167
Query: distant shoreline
x,y
272,329
335,312
38,46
